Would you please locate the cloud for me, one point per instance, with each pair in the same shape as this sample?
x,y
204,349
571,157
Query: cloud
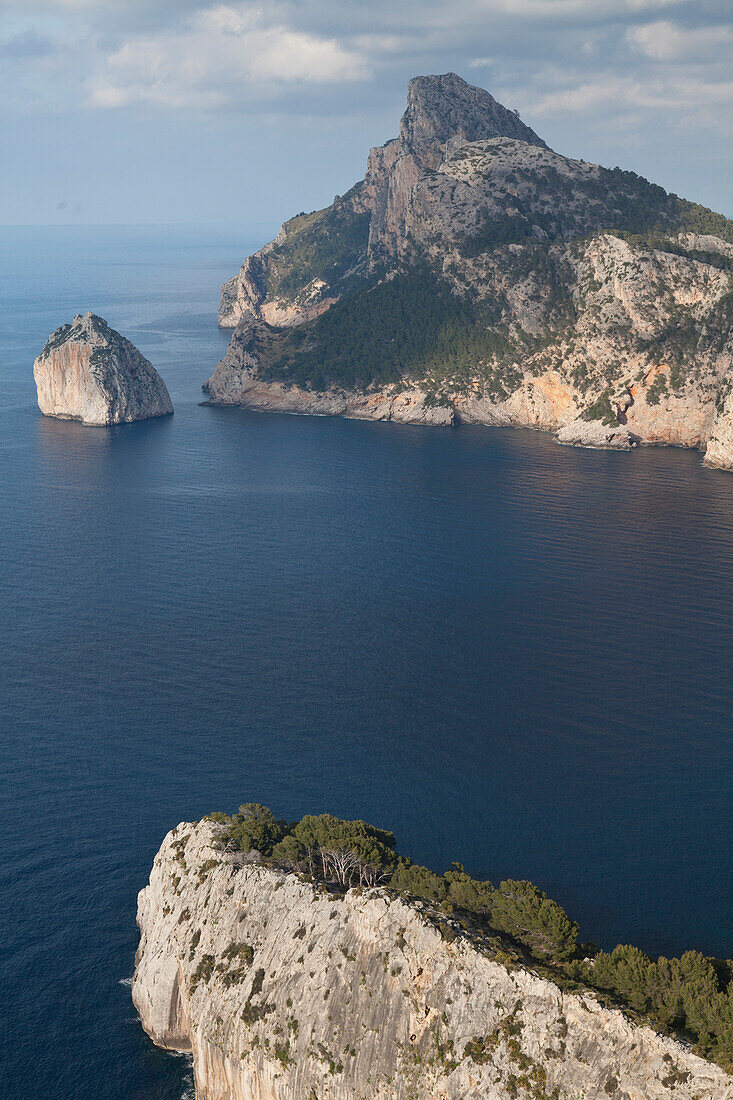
x,y
612,93
663,41
643,83
583,10
25,45
311,58
646,5
214,54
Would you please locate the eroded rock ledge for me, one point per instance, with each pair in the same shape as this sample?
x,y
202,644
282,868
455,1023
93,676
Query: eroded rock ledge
x,y
282,992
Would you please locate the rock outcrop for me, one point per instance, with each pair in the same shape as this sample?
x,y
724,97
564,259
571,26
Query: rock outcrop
x,y
88,372
283,992
577,294
719,451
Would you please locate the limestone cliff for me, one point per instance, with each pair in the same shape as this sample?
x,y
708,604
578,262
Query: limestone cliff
x,y
475,274
283,992
88,372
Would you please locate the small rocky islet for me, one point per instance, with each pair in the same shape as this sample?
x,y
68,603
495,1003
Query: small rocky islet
x,y
89,372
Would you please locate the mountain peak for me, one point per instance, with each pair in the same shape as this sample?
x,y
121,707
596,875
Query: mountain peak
x,y
446,106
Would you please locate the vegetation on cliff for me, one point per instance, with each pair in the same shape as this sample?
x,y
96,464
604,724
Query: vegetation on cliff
x,y
692,995
327,244
411,325
543,201
427,324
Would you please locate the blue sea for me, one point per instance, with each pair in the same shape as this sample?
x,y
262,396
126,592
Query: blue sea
x,y
513,654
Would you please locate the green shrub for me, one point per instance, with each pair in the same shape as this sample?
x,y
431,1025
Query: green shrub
x,y
602,410
346,852
322,245
242,952
255,826
465,892
657,389
692,993
526,914
419,882
202,973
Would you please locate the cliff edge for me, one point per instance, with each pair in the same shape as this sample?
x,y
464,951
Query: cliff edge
x,y
283,991
87,371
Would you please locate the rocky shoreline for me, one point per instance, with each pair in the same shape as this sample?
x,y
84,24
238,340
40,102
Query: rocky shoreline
x,y
545,403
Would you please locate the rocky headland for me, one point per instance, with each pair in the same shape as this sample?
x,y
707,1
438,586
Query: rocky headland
x,y
475,275
284,988
89,372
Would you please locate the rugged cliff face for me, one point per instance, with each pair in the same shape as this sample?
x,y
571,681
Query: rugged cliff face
x,y
475,274
282,992
88,372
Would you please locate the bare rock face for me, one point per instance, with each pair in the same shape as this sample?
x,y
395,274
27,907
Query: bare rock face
x,y
441,109
585,300
88,372
281,992
443,113
719,453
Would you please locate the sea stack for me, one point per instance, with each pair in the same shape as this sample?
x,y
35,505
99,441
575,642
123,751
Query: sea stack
x,y
91,373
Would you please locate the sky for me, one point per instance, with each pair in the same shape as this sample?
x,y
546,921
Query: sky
x,y
175,111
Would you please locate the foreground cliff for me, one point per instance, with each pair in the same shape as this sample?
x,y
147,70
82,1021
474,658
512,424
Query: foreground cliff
x,y
283,991
88,372
476,275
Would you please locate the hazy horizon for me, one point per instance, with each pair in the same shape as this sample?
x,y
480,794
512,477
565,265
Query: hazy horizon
x,y
194,113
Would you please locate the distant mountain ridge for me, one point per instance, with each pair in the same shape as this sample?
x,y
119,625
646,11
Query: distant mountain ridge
x,y
476,275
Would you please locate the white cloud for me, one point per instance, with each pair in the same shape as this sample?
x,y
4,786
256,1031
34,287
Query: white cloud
x,y
663,41
586,96
582,9
206,61
549,57
612,93
646,5
225,19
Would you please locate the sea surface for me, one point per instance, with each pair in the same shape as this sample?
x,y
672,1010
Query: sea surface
x,y
516,655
